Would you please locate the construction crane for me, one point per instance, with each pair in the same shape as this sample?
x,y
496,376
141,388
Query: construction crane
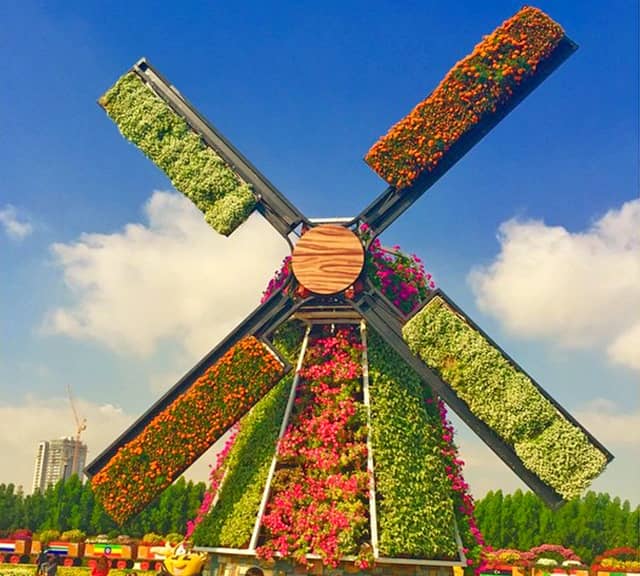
x,y
81,425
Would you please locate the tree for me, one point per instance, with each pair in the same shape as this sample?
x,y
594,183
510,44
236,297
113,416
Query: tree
x,y
589,525
8,507
632,529
526,519
488,512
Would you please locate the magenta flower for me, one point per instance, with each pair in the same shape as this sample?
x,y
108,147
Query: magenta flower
x,y
319,493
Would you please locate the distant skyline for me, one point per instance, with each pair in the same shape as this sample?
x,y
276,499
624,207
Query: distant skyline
x,y
57,459
113,284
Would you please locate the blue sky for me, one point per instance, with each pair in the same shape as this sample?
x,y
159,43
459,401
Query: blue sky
x,y
114,286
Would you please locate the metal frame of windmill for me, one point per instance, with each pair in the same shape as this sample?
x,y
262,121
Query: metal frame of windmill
x,y
328,283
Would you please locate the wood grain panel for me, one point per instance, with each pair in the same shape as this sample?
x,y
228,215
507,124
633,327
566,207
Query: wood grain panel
x,y
328,259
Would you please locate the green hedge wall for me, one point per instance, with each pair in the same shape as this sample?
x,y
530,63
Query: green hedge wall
x,y
230,522
414,496
166,139
506,399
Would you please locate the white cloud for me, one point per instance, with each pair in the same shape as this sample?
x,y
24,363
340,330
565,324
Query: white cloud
x,y
625,349
25,424
170,281
14,227
172,278
576,289
610,424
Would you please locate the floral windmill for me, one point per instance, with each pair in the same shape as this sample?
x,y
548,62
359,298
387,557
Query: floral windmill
x,y
348,456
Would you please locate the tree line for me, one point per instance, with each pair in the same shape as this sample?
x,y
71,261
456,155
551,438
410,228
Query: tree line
x,y
70,505
589,525
520,520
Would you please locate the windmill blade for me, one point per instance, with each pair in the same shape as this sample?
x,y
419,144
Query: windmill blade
x,y
192,415
476,94
539,440
198,160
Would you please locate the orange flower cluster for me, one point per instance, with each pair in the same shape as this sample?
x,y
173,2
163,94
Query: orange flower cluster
x,y
179,434
472,90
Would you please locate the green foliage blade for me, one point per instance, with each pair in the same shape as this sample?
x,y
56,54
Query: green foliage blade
x,y
194,168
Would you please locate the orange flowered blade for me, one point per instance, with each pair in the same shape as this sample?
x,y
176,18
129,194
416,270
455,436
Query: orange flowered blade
x,y
180,433
473,97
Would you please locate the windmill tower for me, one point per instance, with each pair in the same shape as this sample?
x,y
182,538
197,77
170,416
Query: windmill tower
x,y
334,354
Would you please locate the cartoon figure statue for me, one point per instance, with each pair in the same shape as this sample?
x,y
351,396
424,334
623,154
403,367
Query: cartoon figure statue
x,y
179,561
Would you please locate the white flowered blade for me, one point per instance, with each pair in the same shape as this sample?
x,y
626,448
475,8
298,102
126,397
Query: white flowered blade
x,y
545,438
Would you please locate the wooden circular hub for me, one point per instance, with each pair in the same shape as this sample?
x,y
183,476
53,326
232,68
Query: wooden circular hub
x,y
327,259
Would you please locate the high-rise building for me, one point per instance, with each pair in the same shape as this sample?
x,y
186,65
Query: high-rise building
x,y
54,461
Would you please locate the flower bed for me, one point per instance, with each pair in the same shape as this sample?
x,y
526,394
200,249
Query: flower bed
x,y
216,476
166,139
506,399
507,556
278,280
622,559
474,89
179,434
30,570
615,565
562,457
472,539
231,521
552,552
415,506
7,569
400,277
318,502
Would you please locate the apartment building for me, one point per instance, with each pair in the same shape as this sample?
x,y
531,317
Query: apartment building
x,y
55,461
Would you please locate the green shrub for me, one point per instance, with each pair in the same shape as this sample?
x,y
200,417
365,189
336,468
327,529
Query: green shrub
x,y
153,539
47,536
174,538
73,536
287,340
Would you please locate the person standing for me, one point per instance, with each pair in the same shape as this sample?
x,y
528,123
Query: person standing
x,y
41,563
101,567
51,567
